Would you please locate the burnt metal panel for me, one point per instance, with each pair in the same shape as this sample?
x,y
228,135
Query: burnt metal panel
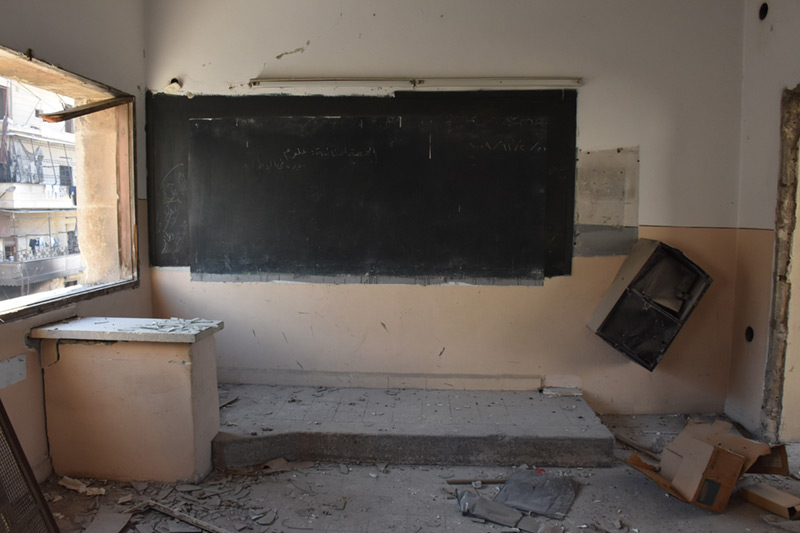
x,y
649,301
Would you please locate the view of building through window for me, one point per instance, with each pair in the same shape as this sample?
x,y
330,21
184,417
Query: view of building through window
x,y
67,187
38,197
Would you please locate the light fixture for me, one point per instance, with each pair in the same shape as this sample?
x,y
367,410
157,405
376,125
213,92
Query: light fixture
x,y
447,83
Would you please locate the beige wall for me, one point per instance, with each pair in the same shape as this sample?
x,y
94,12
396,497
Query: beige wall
x,y
131,410
645,67
790,423
103,41
753,298
383,334
770,64
24,400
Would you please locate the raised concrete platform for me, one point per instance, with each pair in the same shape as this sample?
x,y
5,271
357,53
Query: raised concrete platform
x,y
407,426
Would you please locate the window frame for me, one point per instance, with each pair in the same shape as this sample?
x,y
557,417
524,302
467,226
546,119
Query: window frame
x,y
24,68
3,102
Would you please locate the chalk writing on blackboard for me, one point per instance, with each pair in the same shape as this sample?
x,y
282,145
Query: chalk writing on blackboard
x,y
329,152
175,226
509,146
427,186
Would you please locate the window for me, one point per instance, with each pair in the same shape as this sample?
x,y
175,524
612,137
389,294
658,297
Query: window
x,y
67,216
65,175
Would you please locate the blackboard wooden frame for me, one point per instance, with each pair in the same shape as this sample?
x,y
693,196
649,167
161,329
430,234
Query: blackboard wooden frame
x,y
174,226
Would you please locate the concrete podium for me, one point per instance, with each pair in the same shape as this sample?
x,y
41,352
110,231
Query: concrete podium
x,y
130,398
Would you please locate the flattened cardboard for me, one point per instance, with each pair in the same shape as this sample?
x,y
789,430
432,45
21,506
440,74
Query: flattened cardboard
x,y
652,472
772,499
713,488
719,480
776,462
704,462
721,433
691,468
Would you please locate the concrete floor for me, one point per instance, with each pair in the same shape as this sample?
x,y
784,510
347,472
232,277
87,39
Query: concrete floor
x,y
334,497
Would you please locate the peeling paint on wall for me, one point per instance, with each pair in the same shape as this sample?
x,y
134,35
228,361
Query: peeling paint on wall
x,y
607,202
13,370
298,50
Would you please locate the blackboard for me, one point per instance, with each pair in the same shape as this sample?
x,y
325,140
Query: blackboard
x,y
432,185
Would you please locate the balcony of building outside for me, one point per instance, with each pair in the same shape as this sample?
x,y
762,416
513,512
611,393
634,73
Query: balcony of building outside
x,y
45,264
19,196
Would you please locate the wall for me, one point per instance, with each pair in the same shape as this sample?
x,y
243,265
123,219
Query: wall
x,y
661,76
771,63
391,336
102,41
645,67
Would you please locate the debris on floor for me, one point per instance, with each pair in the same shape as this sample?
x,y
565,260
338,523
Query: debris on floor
x,y
180,516
774,500
545,494
638,446
706,460
477,506
228,402
108,521
79,486
782,524
561,392
478,482
396,498
282,465
526,493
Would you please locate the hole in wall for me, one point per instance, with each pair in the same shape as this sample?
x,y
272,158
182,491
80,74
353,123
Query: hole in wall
x,y
749,334
762,11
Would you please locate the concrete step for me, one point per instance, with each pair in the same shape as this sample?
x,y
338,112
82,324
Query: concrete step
x,y
407,426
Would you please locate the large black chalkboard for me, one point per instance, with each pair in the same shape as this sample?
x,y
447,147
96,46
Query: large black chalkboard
x,y
456,185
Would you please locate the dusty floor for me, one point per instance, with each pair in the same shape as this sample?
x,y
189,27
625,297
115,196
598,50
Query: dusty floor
x,y
378,498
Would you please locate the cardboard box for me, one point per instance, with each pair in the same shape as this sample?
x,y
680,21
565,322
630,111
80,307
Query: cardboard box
x,y
702,465
772,499
775,463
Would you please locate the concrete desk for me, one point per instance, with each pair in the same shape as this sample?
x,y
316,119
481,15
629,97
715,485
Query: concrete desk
x,y
130,399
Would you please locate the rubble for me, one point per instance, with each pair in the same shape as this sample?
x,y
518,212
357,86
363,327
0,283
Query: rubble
x,y
337,496
704,462
108,521
80,486
181,516
774,500
544,494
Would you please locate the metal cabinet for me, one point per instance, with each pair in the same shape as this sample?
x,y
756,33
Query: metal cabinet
x,y
652,296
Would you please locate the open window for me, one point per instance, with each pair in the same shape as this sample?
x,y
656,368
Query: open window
x,y
67,182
